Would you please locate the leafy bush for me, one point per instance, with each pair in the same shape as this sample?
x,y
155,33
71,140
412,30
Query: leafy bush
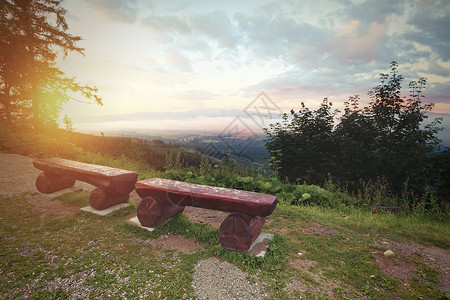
x,y
385,140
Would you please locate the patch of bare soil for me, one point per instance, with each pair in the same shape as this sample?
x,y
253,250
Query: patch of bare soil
x,y
396,267
172,242
436,257
46,207
177,242
209,217
302,264
324,287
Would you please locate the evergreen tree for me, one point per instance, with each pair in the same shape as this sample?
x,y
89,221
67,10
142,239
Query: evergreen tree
x,y
33,32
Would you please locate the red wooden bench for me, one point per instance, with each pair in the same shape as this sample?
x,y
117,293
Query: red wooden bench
x,y
113,185
163,198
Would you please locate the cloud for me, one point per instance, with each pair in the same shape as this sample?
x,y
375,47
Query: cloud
x,y
438,92
196,95
327,48
154,116
176,58
353,47
431,20
369,12
215,26
351,33
168,24
124,11
435,68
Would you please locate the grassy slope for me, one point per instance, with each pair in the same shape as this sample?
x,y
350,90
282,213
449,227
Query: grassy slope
x,y
117,261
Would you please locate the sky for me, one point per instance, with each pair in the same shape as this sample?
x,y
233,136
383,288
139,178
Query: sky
x,y
201,65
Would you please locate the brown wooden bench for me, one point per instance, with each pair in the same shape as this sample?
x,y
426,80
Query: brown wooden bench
x,y
163,198
392,209
113,185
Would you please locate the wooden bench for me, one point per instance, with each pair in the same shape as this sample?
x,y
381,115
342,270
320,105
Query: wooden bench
x,y
113,185
163,198
392,209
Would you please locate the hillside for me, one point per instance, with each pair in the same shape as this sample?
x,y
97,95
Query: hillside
x,y
50,249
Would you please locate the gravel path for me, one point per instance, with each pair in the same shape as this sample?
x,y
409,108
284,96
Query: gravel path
x,y
213,279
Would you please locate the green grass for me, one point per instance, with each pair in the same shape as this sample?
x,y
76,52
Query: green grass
x,y
111,258
425,229
34,251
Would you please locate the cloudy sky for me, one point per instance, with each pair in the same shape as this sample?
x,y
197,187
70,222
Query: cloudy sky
x,y
200,64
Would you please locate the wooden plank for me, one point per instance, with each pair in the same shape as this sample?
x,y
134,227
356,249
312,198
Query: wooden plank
x,y
238,231
189,194
116,181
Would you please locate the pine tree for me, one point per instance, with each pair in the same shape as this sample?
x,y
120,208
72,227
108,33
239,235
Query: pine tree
x,y
33,33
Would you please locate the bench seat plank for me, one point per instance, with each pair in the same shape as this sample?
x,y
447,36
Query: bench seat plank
x,y
117,181
224,199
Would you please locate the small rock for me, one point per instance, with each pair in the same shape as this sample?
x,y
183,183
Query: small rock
x,y
388,253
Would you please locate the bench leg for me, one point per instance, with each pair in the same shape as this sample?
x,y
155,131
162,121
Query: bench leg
x,y
48,183
152,211
238,231
101,199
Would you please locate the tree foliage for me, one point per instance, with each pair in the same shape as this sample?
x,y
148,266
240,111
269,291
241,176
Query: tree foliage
x,y
386,139
32,87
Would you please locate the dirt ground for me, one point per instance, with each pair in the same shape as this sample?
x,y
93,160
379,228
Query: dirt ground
x,y
403,269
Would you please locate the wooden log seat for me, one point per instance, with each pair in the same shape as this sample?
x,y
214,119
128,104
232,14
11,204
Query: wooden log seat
x,y
393,209
113,185
163,198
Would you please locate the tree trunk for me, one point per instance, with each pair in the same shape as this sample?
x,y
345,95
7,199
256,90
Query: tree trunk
x,y
6,102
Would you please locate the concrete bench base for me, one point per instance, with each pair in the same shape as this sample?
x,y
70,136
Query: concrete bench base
x,y
260,246
105,211
136,222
